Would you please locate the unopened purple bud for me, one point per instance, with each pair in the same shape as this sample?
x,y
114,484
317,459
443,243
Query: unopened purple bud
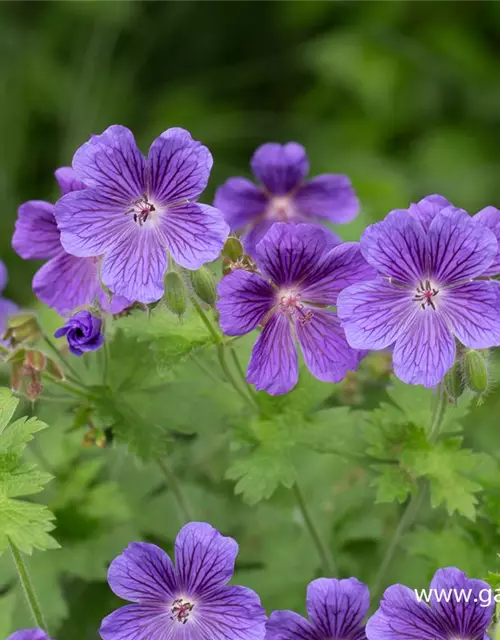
x,y
83,333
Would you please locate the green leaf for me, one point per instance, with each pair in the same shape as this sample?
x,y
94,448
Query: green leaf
x,y
448,547
260,473
393,483
25,524
447,467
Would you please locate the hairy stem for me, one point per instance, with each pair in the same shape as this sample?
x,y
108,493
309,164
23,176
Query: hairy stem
x,y
28,588
175,487
415,503
324,554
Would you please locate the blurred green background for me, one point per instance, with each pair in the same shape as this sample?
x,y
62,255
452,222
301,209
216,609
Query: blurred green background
x,y
402,96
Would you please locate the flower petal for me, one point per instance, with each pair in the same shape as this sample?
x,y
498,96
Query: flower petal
x,y
463,619
342,266
273,366
194,233
7,308
67,180
425,351
396,247
115,304
288,625
140,622
427,209
240,201
472,311
290,253
244,301
66,282
91,223
29,634
374,313
3,276
136,267
230,613
254,235
459,248
280,168
401,617
178,167
36,236
328,196
204,559
326,352
112,163
337,607
490,217
143,573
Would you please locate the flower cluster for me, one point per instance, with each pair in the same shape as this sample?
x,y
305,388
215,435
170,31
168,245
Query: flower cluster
x,y
419,283
191,600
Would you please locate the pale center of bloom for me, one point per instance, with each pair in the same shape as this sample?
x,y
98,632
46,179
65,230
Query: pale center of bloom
x,y
426,293
141,209
280,208
181,610
289,303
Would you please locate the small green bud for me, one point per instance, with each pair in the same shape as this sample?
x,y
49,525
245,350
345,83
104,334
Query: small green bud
x,y
35,360
175,293
22,328
476,370
453,382
204,285
232,249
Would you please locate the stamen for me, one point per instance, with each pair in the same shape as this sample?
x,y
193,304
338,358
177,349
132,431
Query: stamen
x,y
180,610
289,303
141,209
425,293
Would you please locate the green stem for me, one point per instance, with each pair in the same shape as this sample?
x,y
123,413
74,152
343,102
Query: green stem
x,y
221,355
414,505
105,363
64,385
211,330
241,373
28,588
324,554
175,487
60,357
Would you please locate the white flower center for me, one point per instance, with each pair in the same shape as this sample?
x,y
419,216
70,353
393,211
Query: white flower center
x,y
142,210
289,303
425,295
181,609
280,208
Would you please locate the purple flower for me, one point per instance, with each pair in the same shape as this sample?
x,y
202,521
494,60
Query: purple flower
x,y
336,609
29,634
7,307
190,601
402,617
426,292
300,279
83,333
64,282
135,210
284,196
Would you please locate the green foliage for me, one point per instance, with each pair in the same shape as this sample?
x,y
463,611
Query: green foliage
x,y
24,524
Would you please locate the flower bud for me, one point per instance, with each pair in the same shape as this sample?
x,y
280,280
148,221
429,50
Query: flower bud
x,y
22,328
175,293
35,360
204,285
232,249
475,365
453,382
